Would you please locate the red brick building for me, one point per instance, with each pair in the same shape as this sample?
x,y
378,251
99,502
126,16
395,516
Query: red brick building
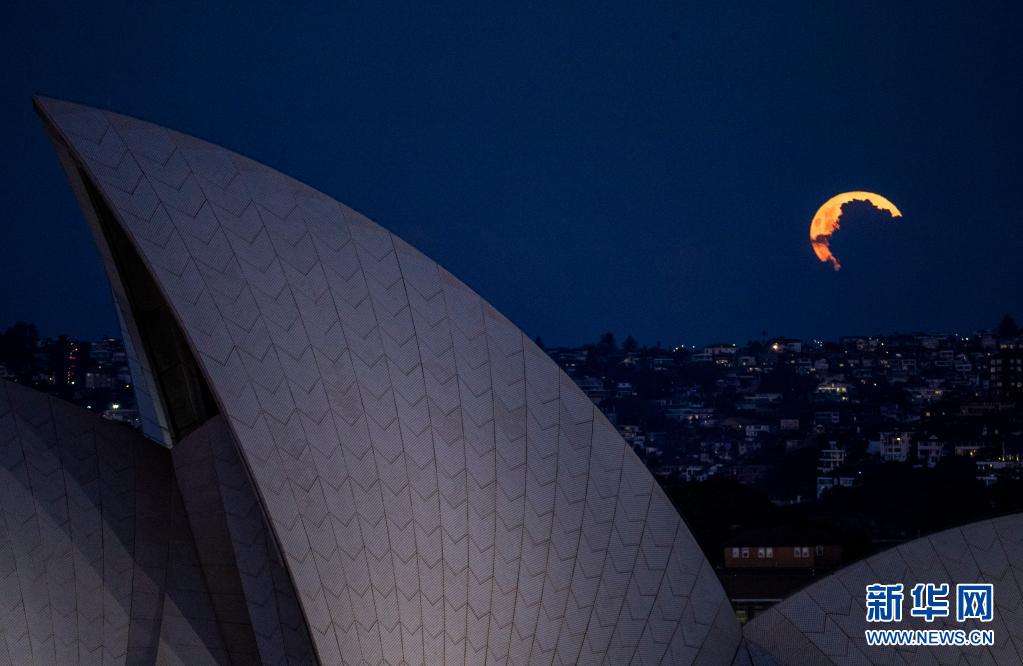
x,y
785,548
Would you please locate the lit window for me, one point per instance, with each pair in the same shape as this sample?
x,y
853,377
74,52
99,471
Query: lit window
x,y
735,553
806,551
770,553
760,553
745,553
796,553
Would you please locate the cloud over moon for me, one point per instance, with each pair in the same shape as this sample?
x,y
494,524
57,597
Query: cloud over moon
x,y
826,222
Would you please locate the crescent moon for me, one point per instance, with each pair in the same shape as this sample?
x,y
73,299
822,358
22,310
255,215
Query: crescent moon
x,y
826,221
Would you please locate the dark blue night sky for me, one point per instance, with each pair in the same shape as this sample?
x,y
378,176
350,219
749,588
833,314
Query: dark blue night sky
x,y
648,169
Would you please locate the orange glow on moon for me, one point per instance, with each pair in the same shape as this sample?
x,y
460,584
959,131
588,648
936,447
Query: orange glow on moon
x,y
826,221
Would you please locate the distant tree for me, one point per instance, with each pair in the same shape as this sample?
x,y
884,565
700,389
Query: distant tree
x,y
787,381
17,346
1007,328
714,509
793,475
539,342
1007,496
898,501
630,345
607,344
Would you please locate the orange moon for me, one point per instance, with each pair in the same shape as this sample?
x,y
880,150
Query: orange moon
x,y
826,221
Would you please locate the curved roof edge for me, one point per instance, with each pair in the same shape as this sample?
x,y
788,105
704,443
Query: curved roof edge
x,y
438,488
825,622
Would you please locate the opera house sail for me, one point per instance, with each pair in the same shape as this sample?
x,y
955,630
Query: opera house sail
x,y
430,486
98,563
348,456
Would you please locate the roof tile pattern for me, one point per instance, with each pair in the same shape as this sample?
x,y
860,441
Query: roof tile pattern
x,y
96,562
824,623
439,489
251,593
